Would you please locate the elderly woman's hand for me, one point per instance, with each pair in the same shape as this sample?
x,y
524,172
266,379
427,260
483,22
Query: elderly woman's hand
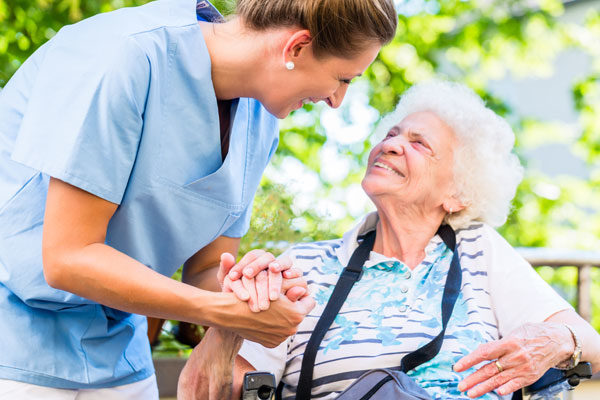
x,y
207,372
264,278
516,360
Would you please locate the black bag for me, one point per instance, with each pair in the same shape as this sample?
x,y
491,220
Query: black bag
x,y
384,383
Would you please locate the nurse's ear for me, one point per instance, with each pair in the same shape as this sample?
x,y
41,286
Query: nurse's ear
x,y
297,46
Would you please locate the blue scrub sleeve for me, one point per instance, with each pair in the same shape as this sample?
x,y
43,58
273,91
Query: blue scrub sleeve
x,y
84,119
241,225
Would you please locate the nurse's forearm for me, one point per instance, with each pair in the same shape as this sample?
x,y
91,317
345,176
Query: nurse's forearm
x,y
105,275
100,273
76,259
201,269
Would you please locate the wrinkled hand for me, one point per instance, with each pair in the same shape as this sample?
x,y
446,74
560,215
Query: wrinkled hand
x,y
207,374
524,356
264,278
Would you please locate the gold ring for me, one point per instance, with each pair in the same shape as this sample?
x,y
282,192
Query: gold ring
x,y
499,366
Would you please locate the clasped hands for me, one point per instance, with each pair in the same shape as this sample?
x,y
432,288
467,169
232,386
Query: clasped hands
x,y
260,278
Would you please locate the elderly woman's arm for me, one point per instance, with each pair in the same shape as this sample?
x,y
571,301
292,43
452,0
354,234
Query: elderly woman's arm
x,y
527,353
214,371
587,336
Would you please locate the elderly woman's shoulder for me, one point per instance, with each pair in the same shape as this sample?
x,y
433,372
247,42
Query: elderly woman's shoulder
x,y
485,241
477,228
483,235
328,247
314,252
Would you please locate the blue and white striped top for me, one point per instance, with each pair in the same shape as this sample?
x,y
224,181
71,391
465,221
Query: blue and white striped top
x,y
393,310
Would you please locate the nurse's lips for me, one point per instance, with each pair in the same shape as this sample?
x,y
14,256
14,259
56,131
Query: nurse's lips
x,y
325,99
301,103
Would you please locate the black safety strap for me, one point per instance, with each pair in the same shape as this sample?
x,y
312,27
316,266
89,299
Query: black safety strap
x,y
349,276
451,292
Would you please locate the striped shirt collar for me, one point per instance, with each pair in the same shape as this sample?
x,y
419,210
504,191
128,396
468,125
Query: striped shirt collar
x,y
367,224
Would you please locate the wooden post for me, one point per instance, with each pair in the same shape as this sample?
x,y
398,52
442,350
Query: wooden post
x,y
584,299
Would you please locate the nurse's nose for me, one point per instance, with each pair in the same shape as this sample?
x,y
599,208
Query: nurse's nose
x,y
335,100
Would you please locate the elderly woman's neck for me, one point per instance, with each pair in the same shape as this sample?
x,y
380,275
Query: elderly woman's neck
x,y
404,236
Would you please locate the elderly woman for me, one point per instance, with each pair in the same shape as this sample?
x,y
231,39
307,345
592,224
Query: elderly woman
x,y
445,159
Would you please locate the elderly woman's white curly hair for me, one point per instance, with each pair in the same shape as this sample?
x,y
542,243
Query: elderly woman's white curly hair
x,y
486,172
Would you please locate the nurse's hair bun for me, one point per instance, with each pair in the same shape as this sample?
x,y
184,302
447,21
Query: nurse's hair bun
x,y
341,28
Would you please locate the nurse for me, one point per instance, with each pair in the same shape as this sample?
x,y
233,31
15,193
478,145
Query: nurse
x,y
132,143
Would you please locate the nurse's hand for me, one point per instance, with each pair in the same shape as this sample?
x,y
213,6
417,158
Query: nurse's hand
x,y
270,327
267,285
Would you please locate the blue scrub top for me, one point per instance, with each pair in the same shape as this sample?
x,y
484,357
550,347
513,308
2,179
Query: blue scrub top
x,y
121,105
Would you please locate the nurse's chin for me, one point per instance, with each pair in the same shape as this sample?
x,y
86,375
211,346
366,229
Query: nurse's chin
x,y
278,112
284,110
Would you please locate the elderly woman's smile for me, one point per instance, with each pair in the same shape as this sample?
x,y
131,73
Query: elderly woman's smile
x,y
381,164
414,161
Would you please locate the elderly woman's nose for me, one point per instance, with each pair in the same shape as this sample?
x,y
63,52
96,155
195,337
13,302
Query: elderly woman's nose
x,y
393,145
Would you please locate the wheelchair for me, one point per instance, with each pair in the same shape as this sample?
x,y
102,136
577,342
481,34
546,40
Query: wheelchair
x,y
555,384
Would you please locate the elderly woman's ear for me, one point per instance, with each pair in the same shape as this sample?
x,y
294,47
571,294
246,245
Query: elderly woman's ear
x,y
453,205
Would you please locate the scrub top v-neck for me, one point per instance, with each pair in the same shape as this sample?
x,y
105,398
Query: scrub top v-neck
x,y
122,106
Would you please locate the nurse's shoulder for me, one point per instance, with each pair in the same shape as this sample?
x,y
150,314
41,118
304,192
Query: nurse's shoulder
x,y
126,43
131,21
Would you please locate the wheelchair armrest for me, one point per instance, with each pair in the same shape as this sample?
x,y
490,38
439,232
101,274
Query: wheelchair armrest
x,y
555,376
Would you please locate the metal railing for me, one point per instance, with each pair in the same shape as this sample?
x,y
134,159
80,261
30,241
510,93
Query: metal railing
x,y
584,261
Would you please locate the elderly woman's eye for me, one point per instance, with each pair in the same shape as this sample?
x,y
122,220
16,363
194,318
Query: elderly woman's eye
x,y
391,133
421,144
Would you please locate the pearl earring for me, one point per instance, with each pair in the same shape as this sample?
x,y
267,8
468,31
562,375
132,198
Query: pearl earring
x,y
289,65
450,210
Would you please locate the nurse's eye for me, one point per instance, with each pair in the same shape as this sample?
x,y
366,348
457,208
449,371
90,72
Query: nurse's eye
x,y
346,81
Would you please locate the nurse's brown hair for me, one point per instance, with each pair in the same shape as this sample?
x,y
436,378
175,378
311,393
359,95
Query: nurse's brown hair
x,y
341,28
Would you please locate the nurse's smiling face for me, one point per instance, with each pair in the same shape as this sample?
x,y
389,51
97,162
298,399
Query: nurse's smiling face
x,y
314,79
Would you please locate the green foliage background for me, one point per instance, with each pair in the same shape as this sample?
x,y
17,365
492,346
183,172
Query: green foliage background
x,y
472,41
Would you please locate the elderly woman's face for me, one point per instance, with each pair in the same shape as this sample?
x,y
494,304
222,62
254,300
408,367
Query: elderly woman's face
x,y
413,163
